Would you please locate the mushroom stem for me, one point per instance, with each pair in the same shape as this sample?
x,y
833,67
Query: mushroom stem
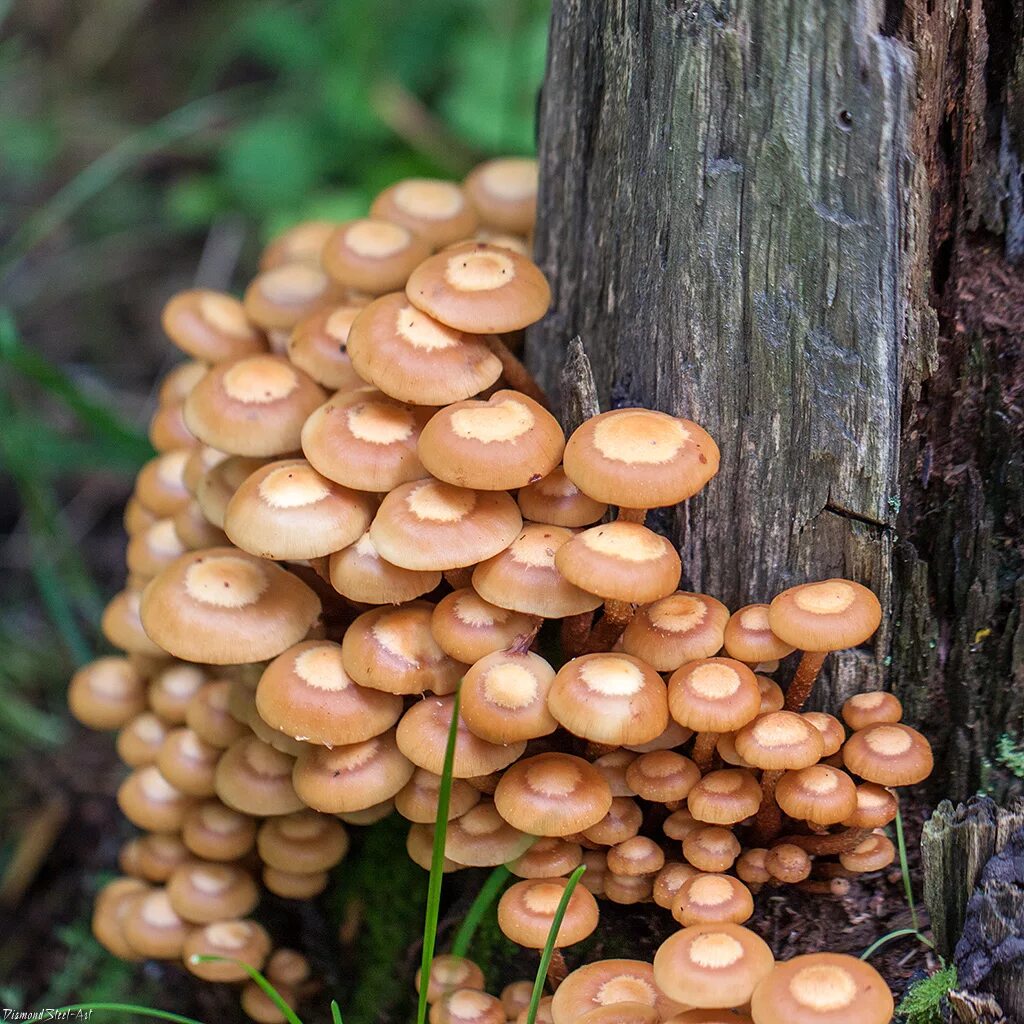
x,y
803,681
614,620
835,842
458,579
558,970
825,887
768,823
574,632
516,375
633,515
704,750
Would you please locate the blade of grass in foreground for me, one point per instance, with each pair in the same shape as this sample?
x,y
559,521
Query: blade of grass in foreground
x,y
483,902
437,861
141,1011
335,1012
272,994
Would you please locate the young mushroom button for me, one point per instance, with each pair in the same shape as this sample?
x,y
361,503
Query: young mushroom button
x,y
318,347
526,913
211,326
749,638
469,628
555,499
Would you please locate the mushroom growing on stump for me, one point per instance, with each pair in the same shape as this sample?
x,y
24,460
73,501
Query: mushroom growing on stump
x,y
505,697
437,211
676,629
372,255
748,637
817,618
318,347
555,499
605,984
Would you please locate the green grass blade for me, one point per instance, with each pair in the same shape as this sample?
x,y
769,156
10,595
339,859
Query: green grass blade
x,y
272,994
908,889
549,946
437,860
900,933
335,1012
483,902
142,1011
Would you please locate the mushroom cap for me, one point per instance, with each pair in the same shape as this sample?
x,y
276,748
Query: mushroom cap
x,y
750,866
187,762
482,838
503,442
258,1006
788,863
366,440
438,211
211,326
219,483
173,689
822,988
293,885
202,458
222,606
159,853
481,288
548,857
662,776
287,967
207,715
526,912
708,965
301,242
252,406
622,1013
890,754
552,794
725,797
360,574
160,485
864,709
392,649
627,890
636,856
621,822
778,740
714,695
243,941
874,853
819,794
515,996
555,499
139,741
254,778
417,800
151,549
676,629
525,577
669,881
712,898
639,458
413,357
203,892
179,381
194,530
167,429
303,843
505,697
748,636
373,255
277,299
614,767
833,735
318,345
122,626
827,616
213,831
449,973
152,927
287,510
621,561
609,698
306,693
149,801
351,777
468,628
711,848
504,193
113,905
674,736
607,983
876,807
428,524
107,693
467,1006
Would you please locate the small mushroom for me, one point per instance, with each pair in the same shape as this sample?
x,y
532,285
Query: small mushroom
x,y
211,326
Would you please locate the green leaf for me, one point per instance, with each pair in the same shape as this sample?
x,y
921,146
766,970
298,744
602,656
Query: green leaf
x,y
484,900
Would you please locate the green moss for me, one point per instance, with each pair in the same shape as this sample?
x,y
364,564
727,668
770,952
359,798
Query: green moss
x,y
1010,755
923,1002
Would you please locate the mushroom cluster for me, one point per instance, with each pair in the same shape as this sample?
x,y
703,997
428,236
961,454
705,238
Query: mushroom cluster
x,y
361,504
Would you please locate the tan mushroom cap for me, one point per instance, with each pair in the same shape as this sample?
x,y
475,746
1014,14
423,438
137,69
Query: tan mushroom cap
x,y
258,1006
679,824
889,754
469,628
676,629
366,440
318,345
211,326
819,794
160,485
252,406
244,941
254,778
833,735
224,606
158,854
711,848
153,548
553,794
301,242
548,857
621,561
636,856
277,299
515,997
207,715
876,807
415,358
179,381
149,801
874,853
714,695
294,885
195,531
202,458
173,688
428,524
607,983
373,255
639,458
417,800
219,483
725,797
662,776
525,577
749,637
449,973
504,193
438,211
501,443
152,927
360,574
864,709
526,912
750,867
113,904
555,499
167,430
622,1013
202,892
614,766
306,693
674,736
136,516
213,831
467,1006
788,863
827,616
139,742
780,739
122,626
822,988
423,737
393,649
481,288
708,965
107,693
711,898
303,842
669,881
482,838
188,762
622,822
505,697
609,698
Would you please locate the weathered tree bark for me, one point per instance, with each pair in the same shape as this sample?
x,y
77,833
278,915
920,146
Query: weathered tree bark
x,y
796,223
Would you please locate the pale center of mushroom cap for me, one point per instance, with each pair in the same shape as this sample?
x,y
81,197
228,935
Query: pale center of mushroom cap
x,y
224,313
180,680
480,270
114,679
678,613
376,239
710,890
468,1003
640,436
263,759
293,486
553,777
437,502
714,681
820,780
292,284
625,988
723,783
225,581
492,421
430,200
424,332
170,468
155,787
162,538
629,542
406,635
481,820
662,764
193,747
638,848
449,969
782,729
472,610
868,701
220,819
612,676
535,547
755,618
715,951
301,826
510,686
888,741
339,323
156,910
148,728
510,180
228,934
829,598
210,880
543,898
259,380
354,756
321,668
823,988
380,423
